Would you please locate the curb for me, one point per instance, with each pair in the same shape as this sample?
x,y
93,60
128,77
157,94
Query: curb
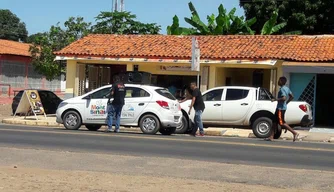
x,y
307,136
43,123
230,133
31,123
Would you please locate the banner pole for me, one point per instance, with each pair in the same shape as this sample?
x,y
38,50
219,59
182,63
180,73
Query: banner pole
x,y
198,85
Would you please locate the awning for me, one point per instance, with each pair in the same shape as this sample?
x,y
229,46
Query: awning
x,y
163,60
307,64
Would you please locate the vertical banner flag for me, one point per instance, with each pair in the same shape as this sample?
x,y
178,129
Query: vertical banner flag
x,y
195,58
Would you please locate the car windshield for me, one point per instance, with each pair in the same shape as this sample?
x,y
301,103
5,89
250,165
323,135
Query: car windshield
x,y
165,93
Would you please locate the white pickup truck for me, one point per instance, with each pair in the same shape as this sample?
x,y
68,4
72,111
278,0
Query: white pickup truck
x,y
234,106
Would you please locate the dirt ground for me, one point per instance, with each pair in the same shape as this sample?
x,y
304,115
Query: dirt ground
x,y
24,179
5,111
24,169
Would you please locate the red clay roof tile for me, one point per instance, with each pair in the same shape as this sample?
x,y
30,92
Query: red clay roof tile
x,y
14,48
295,48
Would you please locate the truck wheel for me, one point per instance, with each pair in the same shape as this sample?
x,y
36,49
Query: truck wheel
x,y
167,130
72,120
149,124
183,127
93,127
278,133
262,127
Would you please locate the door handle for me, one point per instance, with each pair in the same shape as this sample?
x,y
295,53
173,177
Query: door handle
x,y
243,104
217,104
141,104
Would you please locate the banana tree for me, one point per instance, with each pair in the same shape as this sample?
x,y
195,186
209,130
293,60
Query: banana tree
x,y
270,27
225,23
175,28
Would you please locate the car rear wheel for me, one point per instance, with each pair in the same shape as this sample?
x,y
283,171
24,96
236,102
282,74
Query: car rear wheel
x,y
262,127
183,127
167,130
149,124
72,120
93,127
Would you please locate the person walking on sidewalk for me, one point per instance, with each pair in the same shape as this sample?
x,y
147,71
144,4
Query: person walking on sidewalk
x,y
115,107
283,99
199,106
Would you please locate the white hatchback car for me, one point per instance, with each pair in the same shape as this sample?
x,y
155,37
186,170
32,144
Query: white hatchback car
x,y
151,108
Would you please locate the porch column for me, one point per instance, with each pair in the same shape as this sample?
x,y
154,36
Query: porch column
x,y
273,81
279,74
129,67
212,77
71,79
287,75
80,80
204,78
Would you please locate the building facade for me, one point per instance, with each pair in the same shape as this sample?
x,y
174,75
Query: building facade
x,y
312,83
246,60
17,72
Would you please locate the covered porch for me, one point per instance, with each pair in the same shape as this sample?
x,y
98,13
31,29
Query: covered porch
x,y
85,74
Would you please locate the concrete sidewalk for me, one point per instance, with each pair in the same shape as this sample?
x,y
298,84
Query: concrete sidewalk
x,y
304,135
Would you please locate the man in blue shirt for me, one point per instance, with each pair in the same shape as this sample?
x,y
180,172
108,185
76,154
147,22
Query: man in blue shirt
x,y
284,97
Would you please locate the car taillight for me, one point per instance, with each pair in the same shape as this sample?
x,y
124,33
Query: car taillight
x,y
163,104
303,108
179,106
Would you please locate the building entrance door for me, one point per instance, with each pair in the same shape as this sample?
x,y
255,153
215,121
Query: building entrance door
x,y
101,75
324,104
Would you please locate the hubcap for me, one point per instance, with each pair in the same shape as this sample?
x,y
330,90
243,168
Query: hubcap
x,y
71,120
149,124
263,128
181,125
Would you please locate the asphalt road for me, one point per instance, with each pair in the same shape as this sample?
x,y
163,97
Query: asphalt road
x,y
300,155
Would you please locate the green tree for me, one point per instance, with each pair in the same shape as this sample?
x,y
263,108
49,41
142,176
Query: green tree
x,y
32,38
123,23
45,44
308,16
224,23
11,27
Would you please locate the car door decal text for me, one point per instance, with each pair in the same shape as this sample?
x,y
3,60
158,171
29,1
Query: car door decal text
x,y
98,109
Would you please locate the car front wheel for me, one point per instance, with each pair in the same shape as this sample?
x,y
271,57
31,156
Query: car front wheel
x,y
93,127
149,124
167,130
262,127
72,120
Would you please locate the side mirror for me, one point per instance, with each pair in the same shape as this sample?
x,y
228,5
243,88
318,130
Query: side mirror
x,y
88,97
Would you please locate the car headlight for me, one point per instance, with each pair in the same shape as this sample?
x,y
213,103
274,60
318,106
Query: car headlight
x,y
62,104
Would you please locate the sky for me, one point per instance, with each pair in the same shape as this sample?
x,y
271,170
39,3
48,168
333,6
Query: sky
x,y
39,15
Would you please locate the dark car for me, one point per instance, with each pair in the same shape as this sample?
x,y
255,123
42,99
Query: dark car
x,y
49,100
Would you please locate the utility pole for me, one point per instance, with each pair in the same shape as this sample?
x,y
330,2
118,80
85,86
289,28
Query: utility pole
x,y
116,5
122,5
